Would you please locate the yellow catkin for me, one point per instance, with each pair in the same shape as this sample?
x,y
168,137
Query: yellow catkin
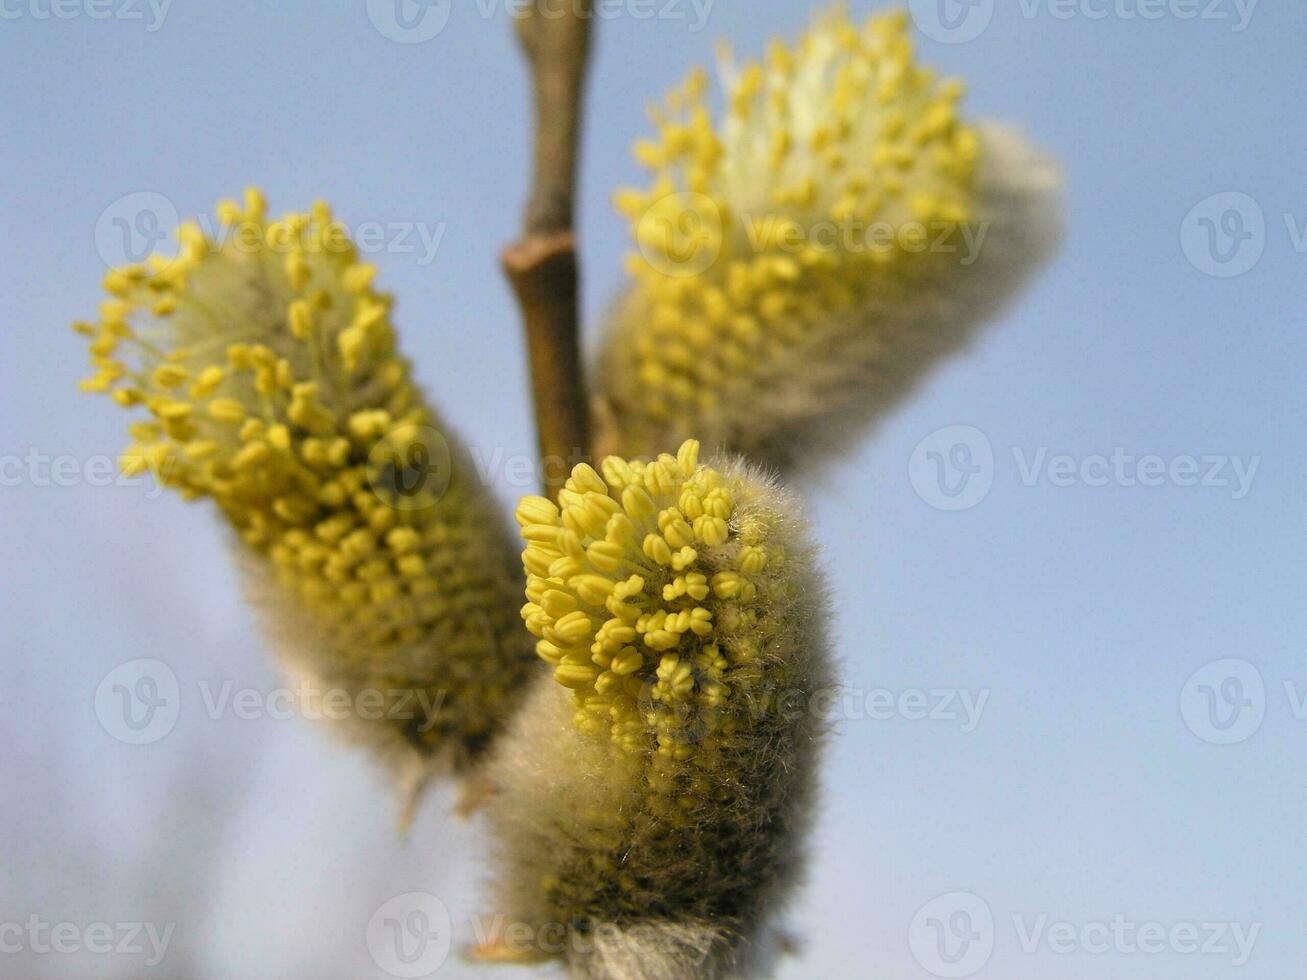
x,y
657,793
269,365
837,168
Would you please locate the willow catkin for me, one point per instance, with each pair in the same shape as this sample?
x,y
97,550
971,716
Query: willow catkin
x,y
803,261
267,367
653,801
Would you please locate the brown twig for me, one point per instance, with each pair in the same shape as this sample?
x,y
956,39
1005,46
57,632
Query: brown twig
x,y
542,265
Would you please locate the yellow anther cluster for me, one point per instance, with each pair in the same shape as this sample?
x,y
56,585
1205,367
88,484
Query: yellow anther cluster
x,y
838,162
644,589
268,366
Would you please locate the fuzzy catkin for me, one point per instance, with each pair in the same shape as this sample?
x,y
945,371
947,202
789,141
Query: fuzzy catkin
x,y
804,261
268,367
652,804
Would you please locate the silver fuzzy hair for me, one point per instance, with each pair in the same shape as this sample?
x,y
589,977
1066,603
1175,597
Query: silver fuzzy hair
x,y
573,808
855,369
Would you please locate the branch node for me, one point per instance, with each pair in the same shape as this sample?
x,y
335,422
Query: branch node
x,y
542,266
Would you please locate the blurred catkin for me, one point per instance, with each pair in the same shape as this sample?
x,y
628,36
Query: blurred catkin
x,y
803,261
653,802
268,368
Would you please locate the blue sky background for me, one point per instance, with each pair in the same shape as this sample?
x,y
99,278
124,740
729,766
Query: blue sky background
x,y
1083,794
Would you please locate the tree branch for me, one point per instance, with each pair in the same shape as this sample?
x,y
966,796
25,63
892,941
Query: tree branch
x,y
542,265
